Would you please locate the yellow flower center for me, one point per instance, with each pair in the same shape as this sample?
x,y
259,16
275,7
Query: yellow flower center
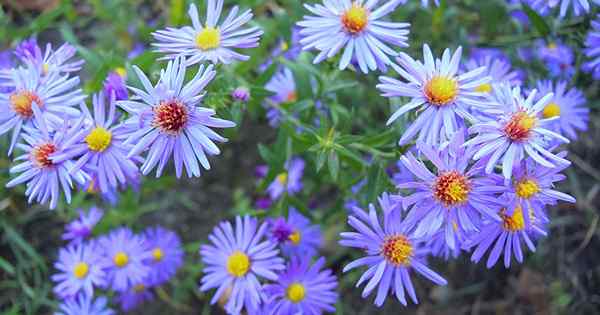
x,y
157,254
527,188
81,270
451,188
99,139
355,19
552,46
22,101
284,46
397,250
515,222
484,88
208,38
282,178
295,237
441,90
121,259
121,72
45,69
519,126
238,264
551,110
295,292
139,288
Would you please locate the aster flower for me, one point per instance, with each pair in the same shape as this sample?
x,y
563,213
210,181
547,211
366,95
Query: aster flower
x,y
81,229
50,60
296,236
45,178
27,49
235,260
283,85
115,84
454,197
85,305
425,3
80,269
443,97
241,94
289,181
289,50
497,67
302,289
125,254
439,248
592,49
167,254
358,28
579,6
134,296
392,252
558,57
209,41
568,105
170,124
514,131
55,96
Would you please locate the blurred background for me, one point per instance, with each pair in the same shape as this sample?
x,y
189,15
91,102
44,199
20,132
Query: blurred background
x,y
562,276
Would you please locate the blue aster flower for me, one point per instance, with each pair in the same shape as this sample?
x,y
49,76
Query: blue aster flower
x,y
296,235
80,229
497,66
302,289
133,297
169,122
514,131
592,49
289,50
55,95
568,105
236,260
81,268
167,254
46,178
288,181
558,58
283,85
356,27
392,252
85,305
579,7
443,97
425,3
125,254
115,84
453,198
209,41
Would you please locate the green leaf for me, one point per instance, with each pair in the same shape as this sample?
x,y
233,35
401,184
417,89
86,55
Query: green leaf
x,y
538,22
333,163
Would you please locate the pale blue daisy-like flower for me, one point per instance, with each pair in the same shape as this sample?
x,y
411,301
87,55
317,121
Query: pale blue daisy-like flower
x,y
169,123
568,105
166,254
497,66
55,95
85,305
296,235
80,229
45,178
135,296
81,268
302,289
125,254
288,181
592,49
49,60
209,41
392,252
425,3
100,148
357,28
442,96
558,58
235,261
514,131
283,86
579,7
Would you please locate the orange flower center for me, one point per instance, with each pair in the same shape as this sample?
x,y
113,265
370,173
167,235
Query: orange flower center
x,y
41,154
519,126
397,250
514,222
451,188
441,90
170,116
21,103
355,19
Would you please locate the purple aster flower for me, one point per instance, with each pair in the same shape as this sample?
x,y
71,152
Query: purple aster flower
x,y
167,254
263,202
27,49
125,254
241,94
401,174
45,178
170,124
289,181
509,234
568,105
592,49
134,296
81,229
6,64
81,268
579,6
115,84
439,248
514,131
302,289
296,235
209,41
559,58
283,85
261,171
85,305
454,197
55,96
50,60
234,262
391,249
442,96
497,66
357,28
288,50
137,49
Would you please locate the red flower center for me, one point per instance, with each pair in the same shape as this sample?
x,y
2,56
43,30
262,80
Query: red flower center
x,y
451,188
41,154
170,116
397,250
518,128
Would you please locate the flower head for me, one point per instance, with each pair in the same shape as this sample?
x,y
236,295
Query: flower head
x,y
497,67
443,97
391,249
290,180
235,261
241,94
558,57
209,41
80,229
81,268
115,84
85,304
166,254
283,85
134,296
592,49
356,27
169,122
544,6
296,235
302,289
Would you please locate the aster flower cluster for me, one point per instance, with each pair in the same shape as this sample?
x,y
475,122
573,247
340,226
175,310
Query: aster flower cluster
x,y
130,265
268,268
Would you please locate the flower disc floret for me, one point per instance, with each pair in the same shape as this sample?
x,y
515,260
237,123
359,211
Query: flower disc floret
x,y
170,116
238,264
208,38
355,19
98,139
296,292
518,128
441,90
451,188
397,250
